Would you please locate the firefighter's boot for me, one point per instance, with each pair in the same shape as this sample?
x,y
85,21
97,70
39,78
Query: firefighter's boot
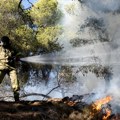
x,y
16,96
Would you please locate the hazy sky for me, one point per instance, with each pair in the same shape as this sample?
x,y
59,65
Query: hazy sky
x,y
27,4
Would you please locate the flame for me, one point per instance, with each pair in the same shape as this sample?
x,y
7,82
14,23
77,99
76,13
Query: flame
x,y
108,113
70,103
98,104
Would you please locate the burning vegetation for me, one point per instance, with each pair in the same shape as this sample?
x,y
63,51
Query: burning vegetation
x,y
97,106
73,108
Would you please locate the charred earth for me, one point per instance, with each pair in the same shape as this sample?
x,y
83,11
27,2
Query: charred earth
x,y
68,108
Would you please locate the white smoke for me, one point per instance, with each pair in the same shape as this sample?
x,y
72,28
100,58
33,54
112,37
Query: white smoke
x,y
106,52
103,5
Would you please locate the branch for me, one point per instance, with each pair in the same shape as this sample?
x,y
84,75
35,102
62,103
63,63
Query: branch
x,y
35,94
30,6
6,97
30,3
25,17
58,80
52,90
26,95
19,5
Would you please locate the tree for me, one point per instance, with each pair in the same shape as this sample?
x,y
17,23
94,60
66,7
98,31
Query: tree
x,y
31,30
13,26
45,15
24,27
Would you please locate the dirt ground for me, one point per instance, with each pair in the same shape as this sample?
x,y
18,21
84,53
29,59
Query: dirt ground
x,y
37,110
49,110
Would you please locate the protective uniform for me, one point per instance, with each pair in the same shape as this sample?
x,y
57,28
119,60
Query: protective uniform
x,y
7,66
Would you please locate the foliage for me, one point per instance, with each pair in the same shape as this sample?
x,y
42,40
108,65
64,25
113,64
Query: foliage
x,y
45,12
8,17
98,70
78,42
47,38
30,29
27,37
96,25
45,15
24,36
66,74
70,8
13,26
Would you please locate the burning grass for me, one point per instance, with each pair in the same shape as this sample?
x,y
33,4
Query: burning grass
x,y
73,108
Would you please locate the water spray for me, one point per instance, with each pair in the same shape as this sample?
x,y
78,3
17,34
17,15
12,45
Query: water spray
x,y
80,56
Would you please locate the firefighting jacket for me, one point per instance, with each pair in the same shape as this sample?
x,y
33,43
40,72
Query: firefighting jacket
x,y
5,58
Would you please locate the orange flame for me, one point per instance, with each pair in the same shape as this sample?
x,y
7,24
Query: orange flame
x,y
98,104
108,113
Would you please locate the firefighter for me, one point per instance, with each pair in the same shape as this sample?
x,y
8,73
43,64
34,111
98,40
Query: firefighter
x,y
7,65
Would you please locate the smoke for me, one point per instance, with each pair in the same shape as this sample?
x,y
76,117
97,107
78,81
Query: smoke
x,y
97,24
103,5
91,37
